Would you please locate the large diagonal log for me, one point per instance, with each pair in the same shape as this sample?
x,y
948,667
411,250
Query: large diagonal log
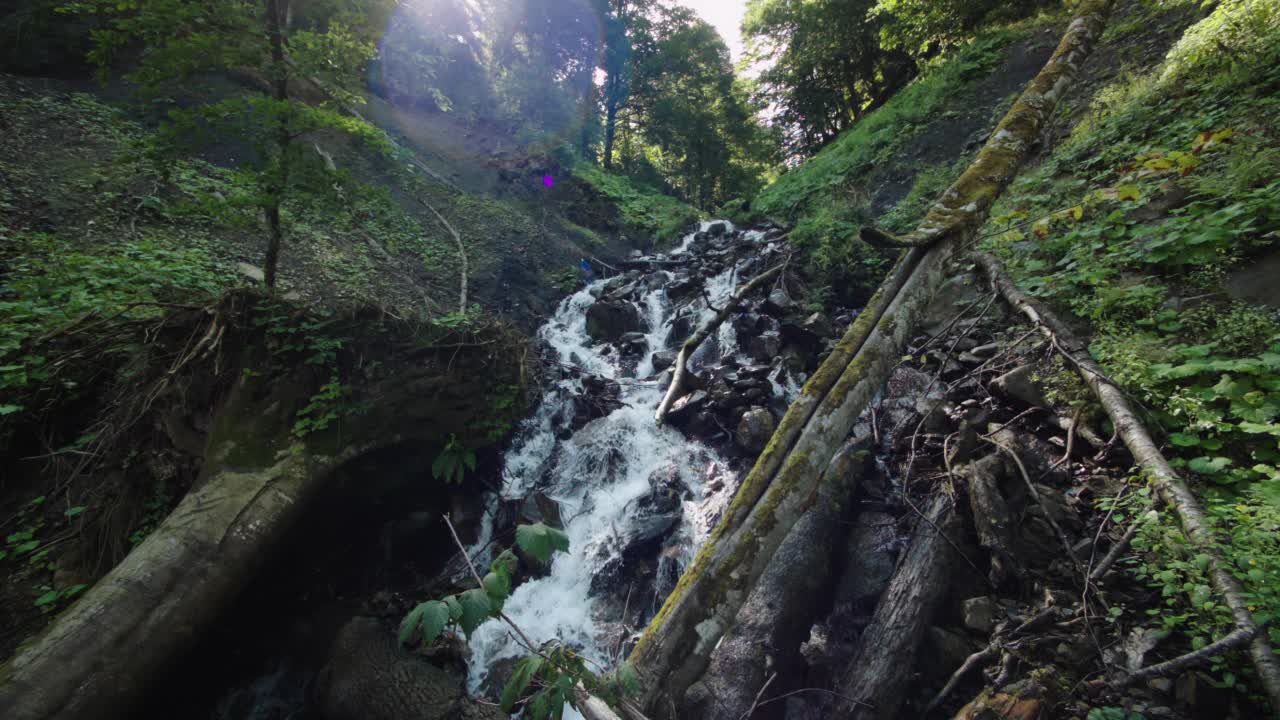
x,y
674,650
1171,488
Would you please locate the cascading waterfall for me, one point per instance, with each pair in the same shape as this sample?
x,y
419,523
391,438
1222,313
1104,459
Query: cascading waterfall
x,y
598,473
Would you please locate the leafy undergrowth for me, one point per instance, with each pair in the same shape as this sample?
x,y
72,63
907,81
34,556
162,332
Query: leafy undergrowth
x,y
645,209
1135,225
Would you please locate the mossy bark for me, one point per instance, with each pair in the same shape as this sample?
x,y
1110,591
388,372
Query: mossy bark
x,y
674,650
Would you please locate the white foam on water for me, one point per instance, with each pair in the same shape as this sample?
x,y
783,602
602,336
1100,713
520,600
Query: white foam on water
x,y
595,476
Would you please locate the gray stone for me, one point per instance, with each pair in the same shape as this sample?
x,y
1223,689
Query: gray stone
x,y
1017,384
663,359
980,614
778,302
608,321
716,229
764,347
755,429
252,272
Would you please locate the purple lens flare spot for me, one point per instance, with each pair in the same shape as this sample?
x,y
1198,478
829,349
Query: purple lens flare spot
x,y
548,181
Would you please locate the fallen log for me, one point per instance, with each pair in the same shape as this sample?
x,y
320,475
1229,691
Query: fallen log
x,y
100,658
674,649
1170,487
690,346
876,679
763,647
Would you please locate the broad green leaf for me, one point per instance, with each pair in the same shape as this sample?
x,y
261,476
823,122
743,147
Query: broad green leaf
x,y
455,608
73,511
47,598
520,680
476,608
497,585
434,619
1209,465
541,541
506,563
1184,439
410,623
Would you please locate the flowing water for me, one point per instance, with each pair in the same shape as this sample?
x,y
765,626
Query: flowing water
x,y
598,473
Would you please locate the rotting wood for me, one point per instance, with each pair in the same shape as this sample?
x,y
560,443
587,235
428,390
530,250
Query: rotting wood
x,y
673,651
690,346
1170,487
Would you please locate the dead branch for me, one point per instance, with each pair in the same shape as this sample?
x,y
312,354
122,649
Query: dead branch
x,y
1171,488
691,345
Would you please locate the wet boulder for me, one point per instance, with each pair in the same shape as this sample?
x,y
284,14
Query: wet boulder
x,y
801,334
683,410
755,429
370,677
663,359
717,229
599,398
778,302
681,328
609,320
633,343
746,325
764,347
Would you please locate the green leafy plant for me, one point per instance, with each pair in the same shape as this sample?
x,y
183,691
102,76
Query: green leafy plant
x,y
453,462
543,683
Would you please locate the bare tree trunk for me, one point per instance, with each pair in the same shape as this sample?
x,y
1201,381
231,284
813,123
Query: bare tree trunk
x,y
277,12
1173,491
876,679
462,256
610,131
101,657
674,650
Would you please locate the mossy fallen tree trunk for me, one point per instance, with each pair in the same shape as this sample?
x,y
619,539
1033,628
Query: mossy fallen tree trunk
x,y
675,648
1172,489
762,649
101,657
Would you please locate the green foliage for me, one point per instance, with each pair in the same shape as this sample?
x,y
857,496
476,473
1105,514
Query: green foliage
x,y
185,39
453,462
844,268
54,284
924,27
1172,176
1245,528
540,541
643,208
880,134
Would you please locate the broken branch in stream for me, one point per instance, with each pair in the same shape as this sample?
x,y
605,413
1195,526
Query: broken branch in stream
x,y
1170,487
690,346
